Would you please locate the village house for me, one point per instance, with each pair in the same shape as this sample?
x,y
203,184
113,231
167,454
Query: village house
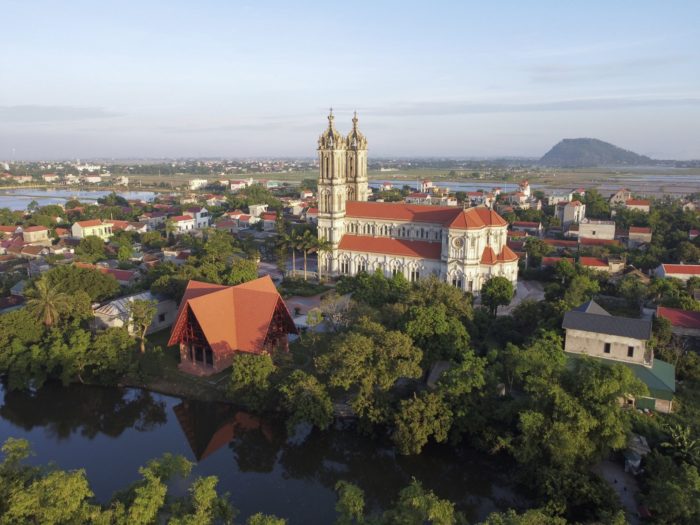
x,y
311,215
592,331
38,235
153,219
684,323
610,265
531,227
256,210
183,223
269,221
570,213
50,177
558,196
591,229
117,313
620,197
201,216
678,271
642,205
96,227
638,235
214,322
196,184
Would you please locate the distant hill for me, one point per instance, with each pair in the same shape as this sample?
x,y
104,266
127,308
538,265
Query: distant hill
x,y
591,153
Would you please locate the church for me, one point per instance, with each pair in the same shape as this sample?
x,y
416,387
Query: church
x,y
464,247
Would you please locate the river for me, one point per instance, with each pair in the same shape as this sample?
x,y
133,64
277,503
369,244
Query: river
x,y
110,432
19,199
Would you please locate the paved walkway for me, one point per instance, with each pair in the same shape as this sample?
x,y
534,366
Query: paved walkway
x,y
624,484
527,290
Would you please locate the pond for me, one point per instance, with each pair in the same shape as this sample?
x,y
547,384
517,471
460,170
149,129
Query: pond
x,y
110,432
19,199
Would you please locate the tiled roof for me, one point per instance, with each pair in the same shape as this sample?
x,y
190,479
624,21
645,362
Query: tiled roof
x,y
637,202
680,318
232,318
592,261
682,269
450,216
561,243
588,241
640,229
36,229
552,261
367,244
489,256
181,218
93,222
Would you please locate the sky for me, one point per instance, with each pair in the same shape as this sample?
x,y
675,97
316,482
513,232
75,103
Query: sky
x,y
177,78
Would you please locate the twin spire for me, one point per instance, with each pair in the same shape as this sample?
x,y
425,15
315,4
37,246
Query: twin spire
x,y
332,139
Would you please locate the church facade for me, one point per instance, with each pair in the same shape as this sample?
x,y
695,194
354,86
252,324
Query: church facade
x,y
464,247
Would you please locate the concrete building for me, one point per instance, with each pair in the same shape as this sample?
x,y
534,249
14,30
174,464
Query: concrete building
x,y
117,313
183,223
591,229
678,271
592,331
638,235
570,213
196,184
96,227
201,216
36,235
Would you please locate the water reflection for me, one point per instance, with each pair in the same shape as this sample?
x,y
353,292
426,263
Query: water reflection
x,y
83,409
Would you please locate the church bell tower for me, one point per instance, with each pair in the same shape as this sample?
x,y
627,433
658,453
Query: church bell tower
x,y
356,164
332,191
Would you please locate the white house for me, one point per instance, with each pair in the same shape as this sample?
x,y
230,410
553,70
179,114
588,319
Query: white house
x,y
196,184
201,216
590,229
183,223
116,313
82,229
256,210
678,271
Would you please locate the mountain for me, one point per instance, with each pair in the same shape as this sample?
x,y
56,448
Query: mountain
x,y
591,153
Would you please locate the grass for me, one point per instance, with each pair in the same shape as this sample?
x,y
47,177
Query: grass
x,y
297,286
163,375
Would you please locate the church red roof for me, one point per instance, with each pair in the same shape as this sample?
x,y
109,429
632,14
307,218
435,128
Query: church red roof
x,y
231,317
367,244
489,256
450,216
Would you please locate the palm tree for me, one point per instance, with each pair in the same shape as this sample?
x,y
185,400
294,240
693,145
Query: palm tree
x,y
321,246
306,244
46,302
291,241
170,228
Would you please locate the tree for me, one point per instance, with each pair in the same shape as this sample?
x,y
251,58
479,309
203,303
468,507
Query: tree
x,y
419,418
369,360
436,332
322,247
242,271
351,504
536,248
47,303
141,314
497,291
250,379
265,519
306,400
91,249
529,517
672,491
73,279
417,506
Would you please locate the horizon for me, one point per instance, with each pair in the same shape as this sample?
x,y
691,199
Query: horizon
x,y
220,81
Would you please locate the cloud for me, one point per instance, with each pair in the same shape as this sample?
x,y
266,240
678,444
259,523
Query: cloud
x,y
36,113
466,107
571,72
